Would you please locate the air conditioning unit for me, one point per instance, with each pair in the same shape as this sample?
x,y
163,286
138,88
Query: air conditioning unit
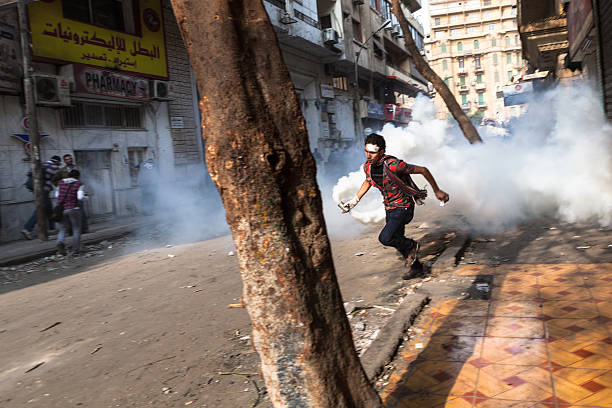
x,y
396,30
330,36
51,90
161,90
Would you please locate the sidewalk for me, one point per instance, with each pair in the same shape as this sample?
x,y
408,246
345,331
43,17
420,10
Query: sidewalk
x,y
16,252
543,339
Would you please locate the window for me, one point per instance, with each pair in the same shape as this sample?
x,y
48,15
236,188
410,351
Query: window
x,y
494,59
447,81
444,65
477,61
487,14
509,76
491,27
508,58
507,41
474,16
112,14
454,19
476,44
516,40
439,34
464,99
517,58
461,62
386,10
340,83
454,32
493,41
462,80
459,46
481,99
479,78
437,21
357,31
496,77
376,4
486,2
84,115
443,48
471,29
513,12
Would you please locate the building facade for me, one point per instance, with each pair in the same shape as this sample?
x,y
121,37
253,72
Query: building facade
x,y
113,88
329,46
475,47
571,39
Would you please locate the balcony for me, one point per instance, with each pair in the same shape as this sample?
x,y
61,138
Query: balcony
x,y
482,106
479,69
461,71
413,5
465,107
480,87
463,89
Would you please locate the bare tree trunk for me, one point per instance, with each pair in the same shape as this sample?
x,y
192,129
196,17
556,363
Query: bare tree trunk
x,y
258,155
466,125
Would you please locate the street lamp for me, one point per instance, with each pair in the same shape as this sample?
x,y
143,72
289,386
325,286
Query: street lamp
x,y
358,132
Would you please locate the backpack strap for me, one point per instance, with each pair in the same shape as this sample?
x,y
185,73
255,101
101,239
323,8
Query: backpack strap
x,y
408,187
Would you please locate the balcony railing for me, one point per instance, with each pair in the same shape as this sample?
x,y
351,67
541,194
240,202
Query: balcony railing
x,y
463,88
461,71
479,69
481,87
278,3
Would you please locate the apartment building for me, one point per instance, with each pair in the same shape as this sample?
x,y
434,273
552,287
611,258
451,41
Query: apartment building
x,y
329,46
475,47
113,87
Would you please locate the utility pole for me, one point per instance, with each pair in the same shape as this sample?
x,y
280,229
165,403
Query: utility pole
x,y
356,107
28,90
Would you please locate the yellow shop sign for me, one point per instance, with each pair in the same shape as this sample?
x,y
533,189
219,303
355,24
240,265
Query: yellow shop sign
x,y
57,38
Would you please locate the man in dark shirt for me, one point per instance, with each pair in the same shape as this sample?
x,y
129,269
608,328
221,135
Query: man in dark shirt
x,y
392,177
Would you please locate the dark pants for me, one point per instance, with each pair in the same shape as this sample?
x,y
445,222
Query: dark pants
x,y
393,232
31,223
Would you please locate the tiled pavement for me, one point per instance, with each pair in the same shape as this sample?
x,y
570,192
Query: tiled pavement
x,y
544,339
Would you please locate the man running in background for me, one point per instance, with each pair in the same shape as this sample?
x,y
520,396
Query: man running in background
x,y
392,177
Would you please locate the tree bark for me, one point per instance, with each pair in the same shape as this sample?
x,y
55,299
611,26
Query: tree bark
x,y
466,125
258,155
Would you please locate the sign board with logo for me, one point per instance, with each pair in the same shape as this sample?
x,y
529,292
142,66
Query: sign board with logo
x,y
57,38
517,94
579,23
109,83
10,50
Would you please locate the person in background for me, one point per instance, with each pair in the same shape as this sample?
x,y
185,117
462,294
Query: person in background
x,y
70,192
63,173
49,168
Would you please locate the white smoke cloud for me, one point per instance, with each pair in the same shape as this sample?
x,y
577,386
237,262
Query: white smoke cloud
x,y
555,161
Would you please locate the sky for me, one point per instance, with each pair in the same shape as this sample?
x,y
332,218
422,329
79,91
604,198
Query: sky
x,y
423,15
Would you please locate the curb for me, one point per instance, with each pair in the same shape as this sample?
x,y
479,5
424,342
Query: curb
x,y
383,349
48,248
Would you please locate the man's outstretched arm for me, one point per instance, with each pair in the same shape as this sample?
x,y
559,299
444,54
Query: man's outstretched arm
x,y
348,206
440,194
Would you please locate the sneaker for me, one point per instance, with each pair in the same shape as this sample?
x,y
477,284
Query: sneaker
x,y
61,249
412,255
26,234
416,270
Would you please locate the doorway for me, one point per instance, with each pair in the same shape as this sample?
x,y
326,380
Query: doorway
x,y
96,175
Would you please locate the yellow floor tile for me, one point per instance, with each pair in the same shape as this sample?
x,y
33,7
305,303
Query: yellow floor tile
x,y
569,309
452,348
515,327
602,398
511,292
516,308
605,379
490,385
459,326
496,403
595,361
518,351
595,268
573,328
515,279
572,385
526,392
564,293
557,269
